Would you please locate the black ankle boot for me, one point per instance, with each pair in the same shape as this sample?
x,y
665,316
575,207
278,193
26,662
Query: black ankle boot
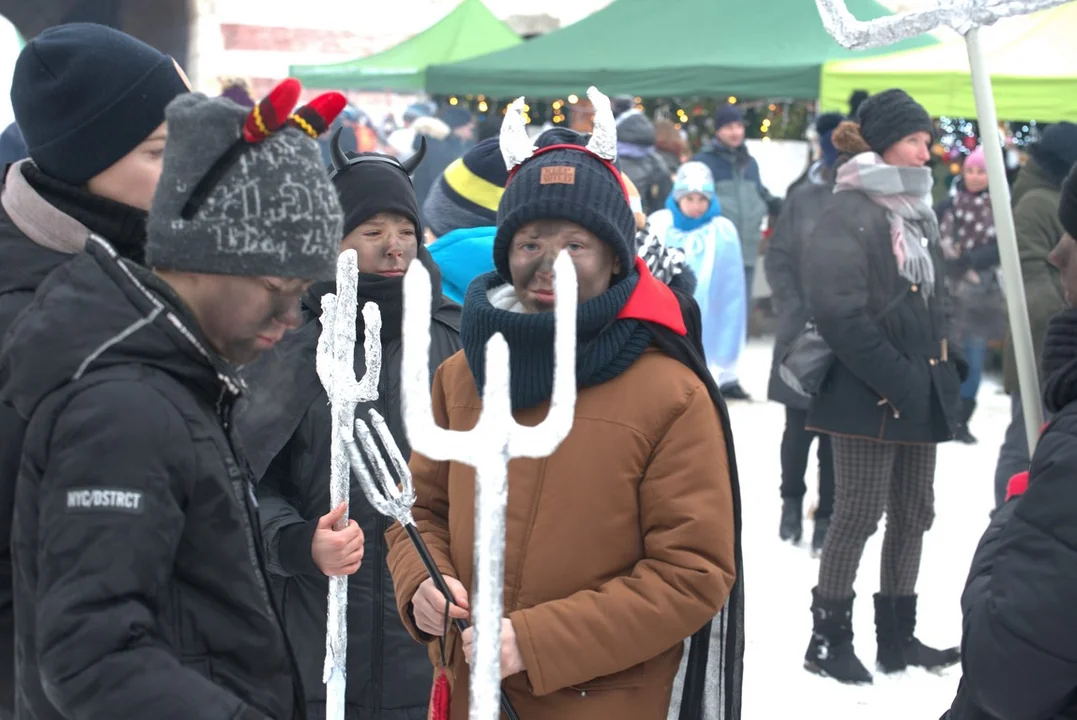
x,y
818,536
830,651
895,630
968,407
792,528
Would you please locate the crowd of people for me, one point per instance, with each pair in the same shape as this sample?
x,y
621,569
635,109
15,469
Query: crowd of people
x,y
165,440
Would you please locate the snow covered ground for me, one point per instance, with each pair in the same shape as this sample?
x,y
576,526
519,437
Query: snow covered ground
x,y
779,576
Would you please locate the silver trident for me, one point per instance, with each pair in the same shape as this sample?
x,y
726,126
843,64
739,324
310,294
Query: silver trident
x,y
967,17
336,369
496,438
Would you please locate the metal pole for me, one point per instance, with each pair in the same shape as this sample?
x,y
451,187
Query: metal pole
x,y
1016,304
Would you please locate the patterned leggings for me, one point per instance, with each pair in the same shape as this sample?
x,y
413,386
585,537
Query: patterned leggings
x,y
870,478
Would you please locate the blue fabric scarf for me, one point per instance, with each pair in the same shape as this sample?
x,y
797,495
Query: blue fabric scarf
x,y
687,224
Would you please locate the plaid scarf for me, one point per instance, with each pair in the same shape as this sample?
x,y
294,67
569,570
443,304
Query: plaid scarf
x,y
905,193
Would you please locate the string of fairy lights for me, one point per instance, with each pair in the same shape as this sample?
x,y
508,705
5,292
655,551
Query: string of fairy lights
x,y
764,120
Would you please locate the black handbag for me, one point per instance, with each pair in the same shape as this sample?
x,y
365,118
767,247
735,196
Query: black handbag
x,y
807,362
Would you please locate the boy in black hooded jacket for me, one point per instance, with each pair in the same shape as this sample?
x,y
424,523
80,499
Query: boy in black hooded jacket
x,y
1019,645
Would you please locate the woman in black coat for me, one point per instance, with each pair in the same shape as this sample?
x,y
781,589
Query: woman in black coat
x,y
799,214
875,286
1020,601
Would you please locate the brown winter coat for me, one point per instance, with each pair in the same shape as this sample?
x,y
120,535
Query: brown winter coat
x,y
618,546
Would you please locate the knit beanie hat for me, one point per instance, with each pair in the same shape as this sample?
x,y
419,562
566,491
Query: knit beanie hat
x,y
566,176
85,95
370,183
244,192
976,159
1056,150
887,117
693,177
12,146
455,116
468,192
238,91
824,127
1067,204
727,114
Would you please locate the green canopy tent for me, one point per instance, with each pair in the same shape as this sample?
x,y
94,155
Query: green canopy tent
x,y
467,31
1033,59
653,49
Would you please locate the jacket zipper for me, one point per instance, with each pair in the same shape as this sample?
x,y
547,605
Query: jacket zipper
x,y
380,557
244,492
379,615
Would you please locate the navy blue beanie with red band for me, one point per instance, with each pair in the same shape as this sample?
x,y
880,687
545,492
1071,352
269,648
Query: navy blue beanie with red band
x,y
86,95
566,184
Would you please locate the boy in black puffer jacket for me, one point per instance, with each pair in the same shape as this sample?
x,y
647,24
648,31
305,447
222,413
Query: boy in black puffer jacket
x,y
1019,630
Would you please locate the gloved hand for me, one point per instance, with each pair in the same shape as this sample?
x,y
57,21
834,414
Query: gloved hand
x,y
961,363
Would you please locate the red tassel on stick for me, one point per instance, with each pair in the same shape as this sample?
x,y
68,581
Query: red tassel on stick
x,y
440,697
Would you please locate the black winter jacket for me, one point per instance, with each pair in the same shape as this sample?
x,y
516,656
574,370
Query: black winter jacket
x,y
24,266
287,428
640,161
895,380
57,212
1019,640
139,587
800,212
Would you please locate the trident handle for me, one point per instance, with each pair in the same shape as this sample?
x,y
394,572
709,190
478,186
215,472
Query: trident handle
x,y
439,582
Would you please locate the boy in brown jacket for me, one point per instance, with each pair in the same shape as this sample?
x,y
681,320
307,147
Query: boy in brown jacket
x,y
623,545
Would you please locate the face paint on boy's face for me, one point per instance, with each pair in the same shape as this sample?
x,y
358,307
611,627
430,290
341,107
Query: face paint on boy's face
x,y
386,244
536,246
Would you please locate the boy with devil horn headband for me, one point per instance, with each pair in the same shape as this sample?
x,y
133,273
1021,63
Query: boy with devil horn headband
x,y
287,430
141,590
624,543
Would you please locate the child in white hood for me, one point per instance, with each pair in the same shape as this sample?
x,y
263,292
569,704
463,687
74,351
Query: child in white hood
x,y
693,222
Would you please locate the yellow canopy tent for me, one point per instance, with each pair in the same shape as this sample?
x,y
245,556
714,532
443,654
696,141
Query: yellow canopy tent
x,y
1033,62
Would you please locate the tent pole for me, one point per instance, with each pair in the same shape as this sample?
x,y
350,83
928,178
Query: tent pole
x,y
1016,303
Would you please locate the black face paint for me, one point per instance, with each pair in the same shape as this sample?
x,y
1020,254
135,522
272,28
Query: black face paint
x,y
543,263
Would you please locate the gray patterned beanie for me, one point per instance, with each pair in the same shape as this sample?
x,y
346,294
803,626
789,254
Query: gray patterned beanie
x,y
244,192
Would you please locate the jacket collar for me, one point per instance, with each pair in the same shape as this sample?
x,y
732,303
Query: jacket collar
x,y
37,219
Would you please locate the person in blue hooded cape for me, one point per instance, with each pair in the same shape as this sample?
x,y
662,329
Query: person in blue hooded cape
x,y
692,222
461,214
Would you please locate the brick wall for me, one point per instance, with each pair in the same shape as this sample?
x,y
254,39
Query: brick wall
x,y
299,40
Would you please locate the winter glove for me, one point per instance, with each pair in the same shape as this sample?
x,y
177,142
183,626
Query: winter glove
x,y
961,363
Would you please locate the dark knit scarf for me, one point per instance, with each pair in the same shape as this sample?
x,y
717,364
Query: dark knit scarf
x,y
1060,361
386,292
122,225
605,346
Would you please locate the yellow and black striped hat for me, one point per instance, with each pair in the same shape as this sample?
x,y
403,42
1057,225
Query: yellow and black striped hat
x,y
469,191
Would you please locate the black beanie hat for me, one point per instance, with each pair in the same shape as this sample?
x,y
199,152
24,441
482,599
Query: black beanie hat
x,y
1056,150
372,183
566,184
468,192
85,95
456,116
727,114
887,117
826,122
1067,205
